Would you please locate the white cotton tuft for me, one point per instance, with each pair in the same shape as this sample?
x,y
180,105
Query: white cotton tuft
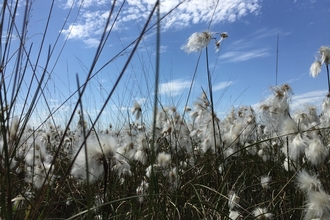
x,y
297,147
308,183
315,69
325,55
163,159
264,181
99,149
197,41
261,213
318,205
316,152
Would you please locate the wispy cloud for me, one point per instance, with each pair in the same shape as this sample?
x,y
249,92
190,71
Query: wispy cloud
x,y
239,56
174,87
222,85
141,101
182,14
252,46
309,98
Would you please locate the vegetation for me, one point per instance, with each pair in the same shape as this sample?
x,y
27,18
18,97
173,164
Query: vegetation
x,y
259,163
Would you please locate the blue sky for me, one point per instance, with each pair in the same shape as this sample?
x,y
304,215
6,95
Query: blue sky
x,y
242,71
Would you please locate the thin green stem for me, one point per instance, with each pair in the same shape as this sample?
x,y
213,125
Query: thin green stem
x,y
327,67
153,186
211,98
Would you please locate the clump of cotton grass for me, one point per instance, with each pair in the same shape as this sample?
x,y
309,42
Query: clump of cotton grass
x,y
100,149
199,40
37,163
275,111
318,201
323,57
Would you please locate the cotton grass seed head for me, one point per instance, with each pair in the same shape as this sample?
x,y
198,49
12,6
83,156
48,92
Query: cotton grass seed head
x,y
261,213
315,69
233,215
316,152
318,205
197,41
223,36
325,55
163,159
307,182
265,180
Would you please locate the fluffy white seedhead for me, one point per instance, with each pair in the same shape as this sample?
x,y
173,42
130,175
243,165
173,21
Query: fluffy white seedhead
x,y
264,181
36,153
197,41
174,178
315,69
318,206
325,55
100,148
297,147
308,183
316,152
142,190
233,215
261,213
40,174
136,110
223,36
122,167
141,156
163,159
312,115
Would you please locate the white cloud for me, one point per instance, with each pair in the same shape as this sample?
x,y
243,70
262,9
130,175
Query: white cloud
x,y
309,98
92,42
240,56
174,87
141,101
92,21
84,3
254,45
222,85
91,25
